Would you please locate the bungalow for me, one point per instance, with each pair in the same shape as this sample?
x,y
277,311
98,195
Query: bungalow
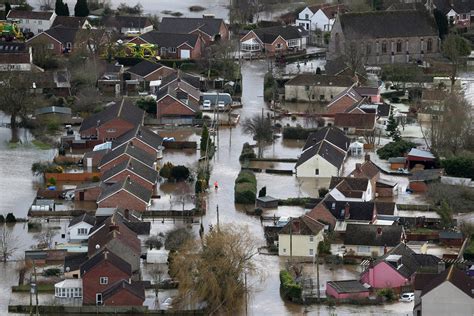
x,y
128,25
208,28
32,21
313,88
123,153
419,180
274,40
101,270
173,45
126,193
345,100
371,240
60,114
351,189
15,57
112,235
143,138
346,289
323,153
112,122
79,227
397,267
147,71
57,40
300,237
450,292
123,293
355,123
133,169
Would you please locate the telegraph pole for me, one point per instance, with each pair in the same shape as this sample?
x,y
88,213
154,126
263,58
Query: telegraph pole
x,y
217,209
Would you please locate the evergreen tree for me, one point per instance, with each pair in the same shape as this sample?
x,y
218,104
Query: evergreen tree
x,y
81,9
61,8
392,129
205,141
66,10
8,7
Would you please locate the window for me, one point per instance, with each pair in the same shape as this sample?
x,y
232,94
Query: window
x,y
40,30
306,88
111,130
363,249
311,252
163,50
50,46
377,47
399,46
311,238
82,231
422,45
293,43
250,47
27,21
316,172
284,249
68,45
40,22
368,48
321,97
104,280
172,49
306,16
429,45
384,47
278,46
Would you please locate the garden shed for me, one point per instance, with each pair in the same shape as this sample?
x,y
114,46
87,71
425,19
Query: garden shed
x,y
267,202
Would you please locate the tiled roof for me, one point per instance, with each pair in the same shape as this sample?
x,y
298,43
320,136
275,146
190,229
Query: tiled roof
x,y
332,134
328,151
139,133
426,175
133,166
106,255
210,26
30,15
303,225
352,183
320,80
373,235
74,261
270,34
193,80
129,186
129,150
355,120
69,21
456,277
347,286
144,68
82,218
135,288
127,21
62,34
170,39
367,170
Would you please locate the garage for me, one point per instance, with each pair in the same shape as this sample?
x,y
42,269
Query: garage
x,y
185,54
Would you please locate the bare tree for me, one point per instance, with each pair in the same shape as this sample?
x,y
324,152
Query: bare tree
x,y
355,57
9,243
455,47
46,5
45,237
214,270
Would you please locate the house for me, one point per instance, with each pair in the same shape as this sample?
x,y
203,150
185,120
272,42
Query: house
x,y
451,238
143,138
123,153
92,159
15,57
323,153
177,102
123,293
450,292
420,157
397,267
69,288
133,220
344,101
371,240
111,79
367,169
337,214
71,22
432,105
52,82
346,289
386,188
372,94
384,110
79,226
133,169
351,189
319,18
386,37
128,25
355,123
313,88
72,264
32,21
420,179
274,40
208,28
125,193
57,40
114,236
99,272
173,45
458,12
147,71
112,122
300,237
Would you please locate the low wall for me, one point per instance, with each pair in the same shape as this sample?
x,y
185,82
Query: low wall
x,y
79,177
93,310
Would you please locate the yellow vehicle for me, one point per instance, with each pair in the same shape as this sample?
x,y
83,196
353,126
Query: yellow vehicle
x,y
10,29
120,49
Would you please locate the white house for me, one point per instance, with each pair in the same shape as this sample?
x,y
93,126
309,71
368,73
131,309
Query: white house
x,y
79,227
351,189
32,21
368,240
323,154
449,293
319,18
300,237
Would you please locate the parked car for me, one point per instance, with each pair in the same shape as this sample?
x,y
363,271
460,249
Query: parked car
x,y
407,297
167,303
206,104
68,195
221,104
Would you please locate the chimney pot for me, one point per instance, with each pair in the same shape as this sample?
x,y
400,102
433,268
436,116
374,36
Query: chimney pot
x,y
347,214
379,231
358,166
367,157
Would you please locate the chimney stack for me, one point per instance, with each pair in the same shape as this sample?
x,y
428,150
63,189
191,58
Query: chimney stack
x,y
113,228
296,226
347,214
126,214
367,157
358,167
379,231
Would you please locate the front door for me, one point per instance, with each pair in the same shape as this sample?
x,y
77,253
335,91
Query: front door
x,y
81,196
98,299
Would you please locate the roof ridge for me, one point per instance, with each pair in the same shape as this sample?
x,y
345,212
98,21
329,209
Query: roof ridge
x,y
121,107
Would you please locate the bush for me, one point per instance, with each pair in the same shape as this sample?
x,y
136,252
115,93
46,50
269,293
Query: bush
x,y
95,179
147,104
177,237
154,242
246,176
289,288
395,149
10,218
165,171
324,247
388,294
245,193
322,192
258,211
298,132
51,272
52,181
247,153
459,166
180,173
2,218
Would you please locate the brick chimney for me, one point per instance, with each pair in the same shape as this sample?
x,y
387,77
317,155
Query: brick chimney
x,y
367,157
114,228
296,226
359,167
347,214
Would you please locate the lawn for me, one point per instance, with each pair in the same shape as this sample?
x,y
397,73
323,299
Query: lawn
x,y
41,145
42,288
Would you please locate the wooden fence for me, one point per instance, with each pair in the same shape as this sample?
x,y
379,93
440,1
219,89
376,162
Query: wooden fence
x,y
76,177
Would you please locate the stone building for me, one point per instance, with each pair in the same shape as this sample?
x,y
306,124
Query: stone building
x,y
385,37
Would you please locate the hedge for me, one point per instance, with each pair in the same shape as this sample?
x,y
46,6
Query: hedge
x,y
289,288
245,190
298,132
247,153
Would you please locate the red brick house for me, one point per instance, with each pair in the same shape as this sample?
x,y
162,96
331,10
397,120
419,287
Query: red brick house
x,y
355,123
123,153
344,101
133,169
142,138
88,191
99,272
127,194
112,122
123,293
209,29
57,40
173,45
149,71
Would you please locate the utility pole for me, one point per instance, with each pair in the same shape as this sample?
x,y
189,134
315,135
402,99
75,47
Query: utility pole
x,y
36,288
31,297
246,293
291,240
317,274
217,209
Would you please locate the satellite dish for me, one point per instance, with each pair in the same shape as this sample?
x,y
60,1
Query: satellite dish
x,y
97,246
68,269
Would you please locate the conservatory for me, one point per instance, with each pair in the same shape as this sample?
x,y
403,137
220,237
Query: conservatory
x,y
69,288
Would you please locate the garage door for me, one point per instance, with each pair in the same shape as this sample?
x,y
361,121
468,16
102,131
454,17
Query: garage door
x,y
185,54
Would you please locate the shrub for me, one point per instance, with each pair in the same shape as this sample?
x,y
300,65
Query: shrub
x,y
51,272
165,171
322,192
246,176
95,179
395,149
459,166
10,218
177,237
297,132
147,104
289,288
387,293
2,218
247,153
245,193
258,211
324,247
154,242
180,173
52,181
